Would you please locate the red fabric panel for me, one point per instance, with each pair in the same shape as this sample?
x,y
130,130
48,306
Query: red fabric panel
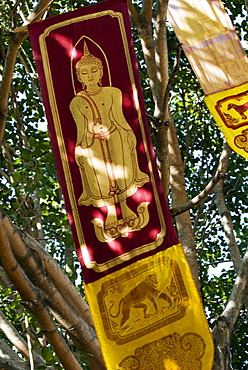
x,y
56,69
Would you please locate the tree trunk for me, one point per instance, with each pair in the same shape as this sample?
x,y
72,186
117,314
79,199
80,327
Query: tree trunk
x,y
179,197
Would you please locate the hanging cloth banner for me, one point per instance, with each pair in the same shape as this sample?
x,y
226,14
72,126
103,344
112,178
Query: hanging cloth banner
x,y
144,303
219,61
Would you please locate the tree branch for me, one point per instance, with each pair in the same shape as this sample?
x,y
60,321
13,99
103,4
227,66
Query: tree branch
x,y
145,30
39,10
161,111
36,14
9,360
15,338
32,300
162,153
226,221
200,197
179,196
59,279
161,59
57,291
134,13
16,38
14,42
219,175
146,11
239,292
172,76
225,322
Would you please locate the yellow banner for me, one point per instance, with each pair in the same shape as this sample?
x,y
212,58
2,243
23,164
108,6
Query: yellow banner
x,y
149,315
230,110
219,61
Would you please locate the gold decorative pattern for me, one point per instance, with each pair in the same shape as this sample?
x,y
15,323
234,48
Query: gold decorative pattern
x,y
173,352
152,301
230,110
122,228
233,110
242,140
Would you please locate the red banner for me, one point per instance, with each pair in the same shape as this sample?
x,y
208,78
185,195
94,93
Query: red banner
x,y
101,141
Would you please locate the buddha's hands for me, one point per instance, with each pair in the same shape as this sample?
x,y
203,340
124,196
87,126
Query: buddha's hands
x,y
98,130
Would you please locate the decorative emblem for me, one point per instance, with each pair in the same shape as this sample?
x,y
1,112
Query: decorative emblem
x,y
146,290
122,228
171,352
241,141
150,302
240,109
233,110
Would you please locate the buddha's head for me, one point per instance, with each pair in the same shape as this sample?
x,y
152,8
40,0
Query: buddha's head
x,y
89,68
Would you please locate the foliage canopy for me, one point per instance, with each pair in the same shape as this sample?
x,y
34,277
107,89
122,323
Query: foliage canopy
x,y
31,195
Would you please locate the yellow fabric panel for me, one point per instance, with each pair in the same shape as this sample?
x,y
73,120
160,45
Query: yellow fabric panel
x,y
230,111
149,316
219,61
198,21
210,42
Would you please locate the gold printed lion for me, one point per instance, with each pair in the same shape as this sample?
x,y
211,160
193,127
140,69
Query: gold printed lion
x,y
152,302
147,289
240,109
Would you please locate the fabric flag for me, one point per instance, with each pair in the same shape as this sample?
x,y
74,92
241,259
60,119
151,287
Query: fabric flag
x,y
219,61
144,303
